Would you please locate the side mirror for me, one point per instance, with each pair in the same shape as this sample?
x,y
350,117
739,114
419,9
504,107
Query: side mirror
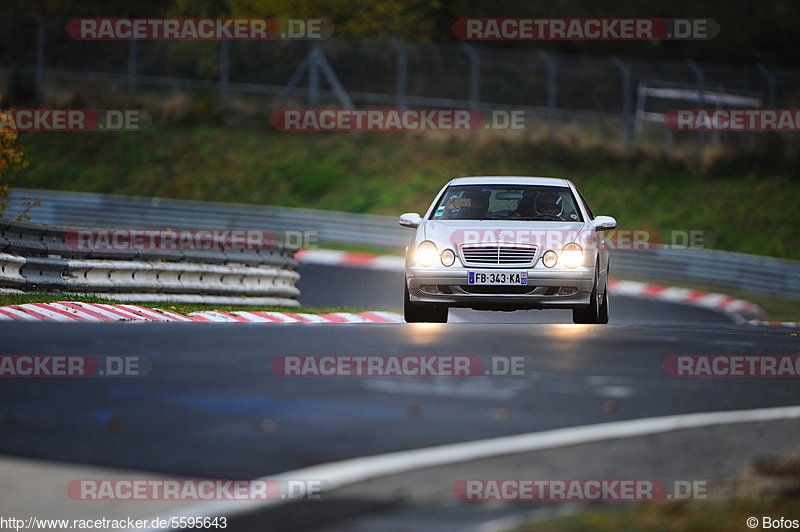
x,y
410,219
604,223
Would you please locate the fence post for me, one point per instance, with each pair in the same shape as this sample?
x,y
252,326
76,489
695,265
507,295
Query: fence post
x,y
132,67
627,120
402,72
474,76
39,74
701,98
552,88
333,80
770,77
294,79
224,70
313,77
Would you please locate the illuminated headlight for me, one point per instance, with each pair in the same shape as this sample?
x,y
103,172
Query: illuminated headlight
x,y
448,257
550,258
572,255
426,254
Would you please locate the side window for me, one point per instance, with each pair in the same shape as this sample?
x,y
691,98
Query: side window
x,y
586,204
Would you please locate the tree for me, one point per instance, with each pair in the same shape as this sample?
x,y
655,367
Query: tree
x,y
12,159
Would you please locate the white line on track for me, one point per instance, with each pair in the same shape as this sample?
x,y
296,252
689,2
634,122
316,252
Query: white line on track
x,y
355,470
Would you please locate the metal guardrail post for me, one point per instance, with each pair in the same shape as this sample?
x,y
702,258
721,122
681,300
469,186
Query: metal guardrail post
x,y
333,80
640,105
474,76
402,72
627,118
224,70
770,77
313,77
701,82
552,89
132,56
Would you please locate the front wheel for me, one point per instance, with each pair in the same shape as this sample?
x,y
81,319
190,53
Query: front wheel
x,y
597,310
423,312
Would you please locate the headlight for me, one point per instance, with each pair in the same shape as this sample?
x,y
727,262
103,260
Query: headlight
x,y
448,257
550,258
426,254
572,255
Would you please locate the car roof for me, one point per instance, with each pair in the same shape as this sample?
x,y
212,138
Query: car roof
x,y
511,180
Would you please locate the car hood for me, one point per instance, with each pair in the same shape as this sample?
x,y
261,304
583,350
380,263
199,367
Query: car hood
x,y
454,233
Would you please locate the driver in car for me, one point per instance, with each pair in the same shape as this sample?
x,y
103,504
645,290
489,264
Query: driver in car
x,y
534,205
549,205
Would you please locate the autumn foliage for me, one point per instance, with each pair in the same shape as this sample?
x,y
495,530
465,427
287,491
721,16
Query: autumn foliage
x,y
12,159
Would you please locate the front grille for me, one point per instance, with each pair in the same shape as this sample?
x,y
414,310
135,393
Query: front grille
x,y
498,254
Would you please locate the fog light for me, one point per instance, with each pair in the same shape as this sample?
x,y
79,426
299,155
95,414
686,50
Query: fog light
x,y
550,258
572,255
448,257
567,291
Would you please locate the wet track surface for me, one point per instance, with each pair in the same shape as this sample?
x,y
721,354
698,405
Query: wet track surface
x,y
211,406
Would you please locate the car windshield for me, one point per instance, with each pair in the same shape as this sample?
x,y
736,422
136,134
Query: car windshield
x,y
507,202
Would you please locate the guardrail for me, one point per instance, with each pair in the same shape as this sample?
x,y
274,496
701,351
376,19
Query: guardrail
x,y
38,258
132,212
714,268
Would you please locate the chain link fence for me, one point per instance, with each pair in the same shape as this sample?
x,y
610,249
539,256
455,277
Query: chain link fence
x,y
600,96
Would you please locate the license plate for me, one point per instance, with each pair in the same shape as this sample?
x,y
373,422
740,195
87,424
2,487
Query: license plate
x,y
499,278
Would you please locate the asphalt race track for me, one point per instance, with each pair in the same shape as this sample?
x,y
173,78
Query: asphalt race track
x,y
211,406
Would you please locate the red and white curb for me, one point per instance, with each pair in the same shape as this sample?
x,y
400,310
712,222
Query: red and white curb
x,y
75,311
738,308
793,324
332,257
720,302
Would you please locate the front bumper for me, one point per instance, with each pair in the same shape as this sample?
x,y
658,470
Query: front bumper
x,y
560,288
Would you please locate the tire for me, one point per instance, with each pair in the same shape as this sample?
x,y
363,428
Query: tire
x,y
603,317
423,312
597,310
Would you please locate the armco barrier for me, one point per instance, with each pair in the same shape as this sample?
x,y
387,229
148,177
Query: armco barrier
x,y
716,269
36,258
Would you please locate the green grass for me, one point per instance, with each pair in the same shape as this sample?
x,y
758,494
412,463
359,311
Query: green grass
x,y
19,299
748,203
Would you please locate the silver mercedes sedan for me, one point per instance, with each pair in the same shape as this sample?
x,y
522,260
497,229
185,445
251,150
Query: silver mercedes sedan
x,y
507,243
